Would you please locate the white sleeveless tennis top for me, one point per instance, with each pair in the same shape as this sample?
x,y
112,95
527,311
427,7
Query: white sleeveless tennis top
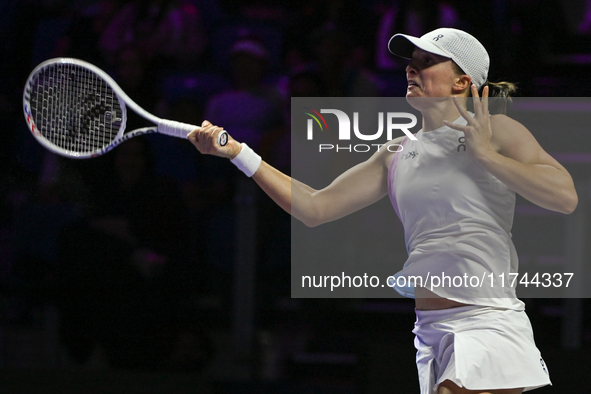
x,y
457,221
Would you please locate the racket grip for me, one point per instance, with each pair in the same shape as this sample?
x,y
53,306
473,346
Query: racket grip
x,y
180,130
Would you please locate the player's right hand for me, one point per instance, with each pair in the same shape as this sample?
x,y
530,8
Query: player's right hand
x,y
205,140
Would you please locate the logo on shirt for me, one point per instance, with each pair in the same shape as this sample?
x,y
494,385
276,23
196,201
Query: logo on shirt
x,y
462,146
410,155
543,365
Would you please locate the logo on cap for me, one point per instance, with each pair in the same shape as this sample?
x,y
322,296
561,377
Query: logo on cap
x,y
436,38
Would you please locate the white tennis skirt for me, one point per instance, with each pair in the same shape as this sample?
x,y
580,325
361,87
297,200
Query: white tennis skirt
x,y
477,348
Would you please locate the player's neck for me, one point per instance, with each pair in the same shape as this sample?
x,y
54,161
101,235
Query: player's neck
x,y
433,117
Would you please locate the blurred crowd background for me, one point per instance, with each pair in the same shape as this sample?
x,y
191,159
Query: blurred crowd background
x,y
127,262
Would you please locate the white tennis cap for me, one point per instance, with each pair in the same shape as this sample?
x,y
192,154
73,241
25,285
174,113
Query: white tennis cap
x,y
459,46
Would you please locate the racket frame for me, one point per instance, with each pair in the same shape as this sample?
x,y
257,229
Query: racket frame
x,y
163,126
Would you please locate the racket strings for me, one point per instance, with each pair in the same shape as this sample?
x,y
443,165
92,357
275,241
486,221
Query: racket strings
x,y
74,108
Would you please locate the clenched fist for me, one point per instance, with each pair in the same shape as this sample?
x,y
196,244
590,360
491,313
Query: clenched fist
x,y
205,140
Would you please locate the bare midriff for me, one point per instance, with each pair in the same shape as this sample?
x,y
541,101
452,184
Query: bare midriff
x,y
427,300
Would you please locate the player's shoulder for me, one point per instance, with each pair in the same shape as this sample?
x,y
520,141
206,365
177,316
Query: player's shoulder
x,y
506,131
396,142
502,122
386,152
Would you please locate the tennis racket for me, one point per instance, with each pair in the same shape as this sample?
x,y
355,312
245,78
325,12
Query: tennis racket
x,y
76,110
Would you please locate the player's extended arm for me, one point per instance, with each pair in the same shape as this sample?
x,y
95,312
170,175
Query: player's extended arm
x,y
356,188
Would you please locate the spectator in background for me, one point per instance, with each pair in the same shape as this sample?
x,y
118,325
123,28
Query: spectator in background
x,y
135,74
56,199
411,17
83,34
275,225
251,109
125,269
339,73
304,81
166,30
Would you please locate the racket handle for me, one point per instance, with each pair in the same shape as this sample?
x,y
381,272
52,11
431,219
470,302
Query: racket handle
x,y
180,130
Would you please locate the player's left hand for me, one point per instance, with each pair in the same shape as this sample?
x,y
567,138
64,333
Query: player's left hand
x,y
478,130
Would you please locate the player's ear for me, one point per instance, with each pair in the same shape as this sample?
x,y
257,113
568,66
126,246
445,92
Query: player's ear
x,y
461,83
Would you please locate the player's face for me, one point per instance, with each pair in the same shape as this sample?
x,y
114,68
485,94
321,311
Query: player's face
x,y
429,75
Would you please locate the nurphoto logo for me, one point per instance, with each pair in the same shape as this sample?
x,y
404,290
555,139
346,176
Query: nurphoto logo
x,y
402,121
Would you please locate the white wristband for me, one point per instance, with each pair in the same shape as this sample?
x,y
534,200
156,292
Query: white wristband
x,y
247,160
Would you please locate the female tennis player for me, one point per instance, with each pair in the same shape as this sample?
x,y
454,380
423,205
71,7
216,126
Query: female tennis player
x,y
455,197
